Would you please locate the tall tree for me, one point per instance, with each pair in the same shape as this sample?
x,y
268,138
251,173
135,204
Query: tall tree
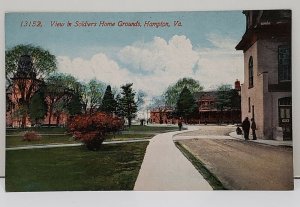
x,y
186,106
38,107
109,104
74,106
127,103
58,94
26,66
173,91
92,94
223,96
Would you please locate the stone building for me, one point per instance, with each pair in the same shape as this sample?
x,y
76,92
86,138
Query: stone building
x,y
266,92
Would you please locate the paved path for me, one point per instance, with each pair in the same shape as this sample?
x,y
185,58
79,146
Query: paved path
x,y
166,168
70,145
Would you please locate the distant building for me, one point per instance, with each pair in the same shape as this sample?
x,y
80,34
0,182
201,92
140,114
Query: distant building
x,y
162,115
208,110
266,92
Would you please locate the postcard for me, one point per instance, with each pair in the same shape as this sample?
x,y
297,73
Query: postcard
x,y
148,101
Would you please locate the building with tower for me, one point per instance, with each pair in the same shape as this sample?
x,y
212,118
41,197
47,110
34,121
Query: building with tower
x,y
266,94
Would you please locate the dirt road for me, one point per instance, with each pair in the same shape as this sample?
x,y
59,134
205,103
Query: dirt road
x,y
242,165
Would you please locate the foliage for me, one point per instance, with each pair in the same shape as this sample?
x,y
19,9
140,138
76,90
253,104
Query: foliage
x,y
37,107
108,102
223,96
74,106
25,67
92,94
93,129
127,106
31,136
60,92
173,91
140,96
43,64
186,105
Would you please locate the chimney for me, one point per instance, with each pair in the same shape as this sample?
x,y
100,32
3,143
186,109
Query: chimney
x,y
237,85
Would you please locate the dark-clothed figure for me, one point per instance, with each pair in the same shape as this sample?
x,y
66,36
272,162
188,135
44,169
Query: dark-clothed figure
x,y
246,128
239,131
253,128
179,124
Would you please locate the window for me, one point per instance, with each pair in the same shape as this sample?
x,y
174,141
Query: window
x,y
250,72
249,104
284,63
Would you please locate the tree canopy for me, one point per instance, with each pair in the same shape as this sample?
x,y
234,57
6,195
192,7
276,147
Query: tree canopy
x,y
173,91
108,102
43,62
92,94
186,106
127,106
26,67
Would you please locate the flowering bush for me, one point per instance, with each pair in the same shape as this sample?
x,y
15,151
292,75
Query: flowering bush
x,y
92,129
31,136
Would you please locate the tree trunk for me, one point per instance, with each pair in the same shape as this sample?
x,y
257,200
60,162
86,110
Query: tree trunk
x,y
129,122
57,119
50,116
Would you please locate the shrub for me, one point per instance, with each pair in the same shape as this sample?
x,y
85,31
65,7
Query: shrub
x,y
93,129
31,136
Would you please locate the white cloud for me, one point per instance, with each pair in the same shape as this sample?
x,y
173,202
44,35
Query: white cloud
x,y
152,66
220,64
99,66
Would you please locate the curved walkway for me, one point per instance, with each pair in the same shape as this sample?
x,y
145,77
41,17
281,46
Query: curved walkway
x,y
166,168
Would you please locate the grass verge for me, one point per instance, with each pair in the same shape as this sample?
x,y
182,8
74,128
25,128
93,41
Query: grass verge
x,y
214,182
113,167
156,129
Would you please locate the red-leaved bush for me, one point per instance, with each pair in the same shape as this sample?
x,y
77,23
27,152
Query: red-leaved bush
x,y
92,129
31,136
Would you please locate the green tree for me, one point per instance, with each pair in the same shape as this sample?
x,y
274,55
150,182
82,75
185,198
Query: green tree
x,y
127,104
74,106
44,62
38,107
108,102
227,99
26,66
173,91
186,106
58,94
92,94
223,96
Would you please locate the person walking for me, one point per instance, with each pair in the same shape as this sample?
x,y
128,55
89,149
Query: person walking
x,y
179,124
246,128
253,128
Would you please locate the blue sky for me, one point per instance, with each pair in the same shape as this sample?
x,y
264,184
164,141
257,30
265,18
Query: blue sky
x,y
151,58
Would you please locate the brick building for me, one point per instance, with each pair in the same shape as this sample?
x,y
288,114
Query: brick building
x,y
266,93
208,111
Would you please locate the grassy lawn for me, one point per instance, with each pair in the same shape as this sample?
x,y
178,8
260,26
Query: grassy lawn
x,y
124,137
56,135
15,141
114,167
40,130
155,129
